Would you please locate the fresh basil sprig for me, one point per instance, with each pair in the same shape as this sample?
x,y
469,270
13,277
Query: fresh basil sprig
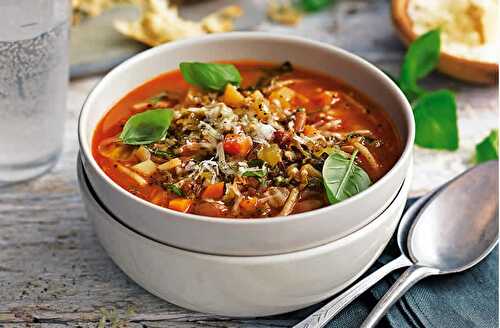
x,y
487,149
210,76
343,178
435,112
421,58
147,127
436,120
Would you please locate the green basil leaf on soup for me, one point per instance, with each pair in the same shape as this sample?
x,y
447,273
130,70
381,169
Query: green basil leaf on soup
x,y
147,127
210,76
420,59
342,178
436,121
487,149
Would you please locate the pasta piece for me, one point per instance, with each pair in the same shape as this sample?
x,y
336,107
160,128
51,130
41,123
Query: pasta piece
x,y
290,202
171,164
146,168
367,154
139,179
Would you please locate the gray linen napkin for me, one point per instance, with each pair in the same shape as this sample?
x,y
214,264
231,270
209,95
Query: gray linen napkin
x,y
462,300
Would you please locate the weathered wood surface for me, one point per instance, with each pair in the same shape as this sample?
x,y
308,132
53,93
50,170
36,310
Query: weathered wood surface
x,y
53,272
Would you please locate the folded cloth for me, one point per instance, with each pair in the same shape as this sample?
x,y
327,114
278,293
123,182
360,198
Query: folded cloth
x,y
467,299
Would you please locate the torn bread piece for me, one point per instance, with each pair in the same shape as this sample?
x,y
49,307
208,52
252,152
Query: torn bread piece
x,y
160,23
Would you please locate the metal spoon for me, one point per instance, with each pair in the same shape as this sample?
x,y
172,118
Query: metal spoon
x,y
322,316
454,231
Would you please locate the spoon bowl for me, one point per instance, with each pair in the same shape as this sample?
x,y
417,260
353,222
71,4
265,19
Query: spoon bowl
x,y
462,222
454,230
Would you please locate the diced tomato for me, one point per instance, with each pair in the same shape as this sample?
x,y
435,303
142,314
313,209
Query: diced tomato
x,y
214,209
213,191
323,99
248,205
300,100
237,145
180,204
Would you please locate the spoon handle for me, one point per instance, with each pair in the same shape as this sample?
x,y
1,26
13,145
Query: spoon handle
x,y
411,276
322,316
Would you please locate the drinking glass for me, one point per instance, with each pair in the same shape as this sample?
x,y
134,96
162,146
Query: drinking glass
x,y
33,85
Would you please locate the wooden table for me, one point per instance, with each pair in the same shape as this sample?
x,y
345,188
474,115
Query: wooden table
x,y
54,273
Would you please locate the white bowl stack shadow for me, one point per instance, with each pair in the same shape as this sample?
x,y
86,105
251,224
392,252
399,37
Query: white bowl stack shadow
x,y
245,267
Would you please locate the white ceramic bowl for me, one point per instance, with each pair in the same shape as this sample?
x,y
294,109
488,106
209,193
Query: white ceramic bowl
x,y
240,286
247,236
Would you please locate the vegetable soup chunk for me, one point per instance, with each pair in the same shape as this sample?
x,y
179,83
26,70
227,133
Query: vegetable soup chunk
x,y
245,140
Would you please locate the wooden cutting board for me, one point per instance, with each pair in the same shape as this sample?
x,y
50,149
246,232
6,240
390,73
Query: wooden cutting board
x,y
96,47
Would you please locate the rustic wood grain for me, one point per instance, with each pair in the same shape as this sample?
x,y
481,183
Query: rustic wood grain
x,y
53,272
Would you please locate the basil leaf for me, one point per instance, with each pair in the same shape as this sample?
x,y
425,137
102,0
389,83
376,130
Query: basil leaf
x,y
173,188
343,178
313,5
487,149
147,127
420,59
436,121
210,76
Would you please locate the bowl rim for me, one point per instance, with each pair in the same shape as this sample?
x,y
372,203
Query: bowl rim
x,y
286,256
249,36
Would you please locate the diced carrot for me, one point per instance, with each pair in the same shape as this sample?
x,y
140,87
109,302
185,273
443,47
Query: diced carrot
x,y
309,130
238,145
180,204
248,205
213,191
300,121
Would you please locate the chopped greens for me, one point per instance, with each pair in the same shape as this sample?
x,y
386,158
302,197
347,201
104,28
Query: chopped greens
x,y
255,162
173,188
272,73
343,178
160,153
210,76
255,173
147,127
487,149
156,99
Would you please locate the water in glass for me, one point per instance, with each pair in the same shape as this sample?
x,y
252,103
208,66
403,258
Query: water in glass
x,y
33,85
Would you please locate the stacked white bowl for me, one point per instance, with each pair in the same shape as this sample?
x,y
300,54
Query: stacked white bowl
x,y
245,267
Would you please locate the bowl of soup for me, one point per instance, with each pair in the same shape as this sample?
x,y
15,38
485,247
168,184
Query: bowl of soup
x,y
246,143
240,286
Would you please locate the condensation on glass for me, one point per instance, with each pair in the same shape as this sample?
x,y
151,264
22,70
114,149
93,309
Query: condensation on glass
x,y
33,85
